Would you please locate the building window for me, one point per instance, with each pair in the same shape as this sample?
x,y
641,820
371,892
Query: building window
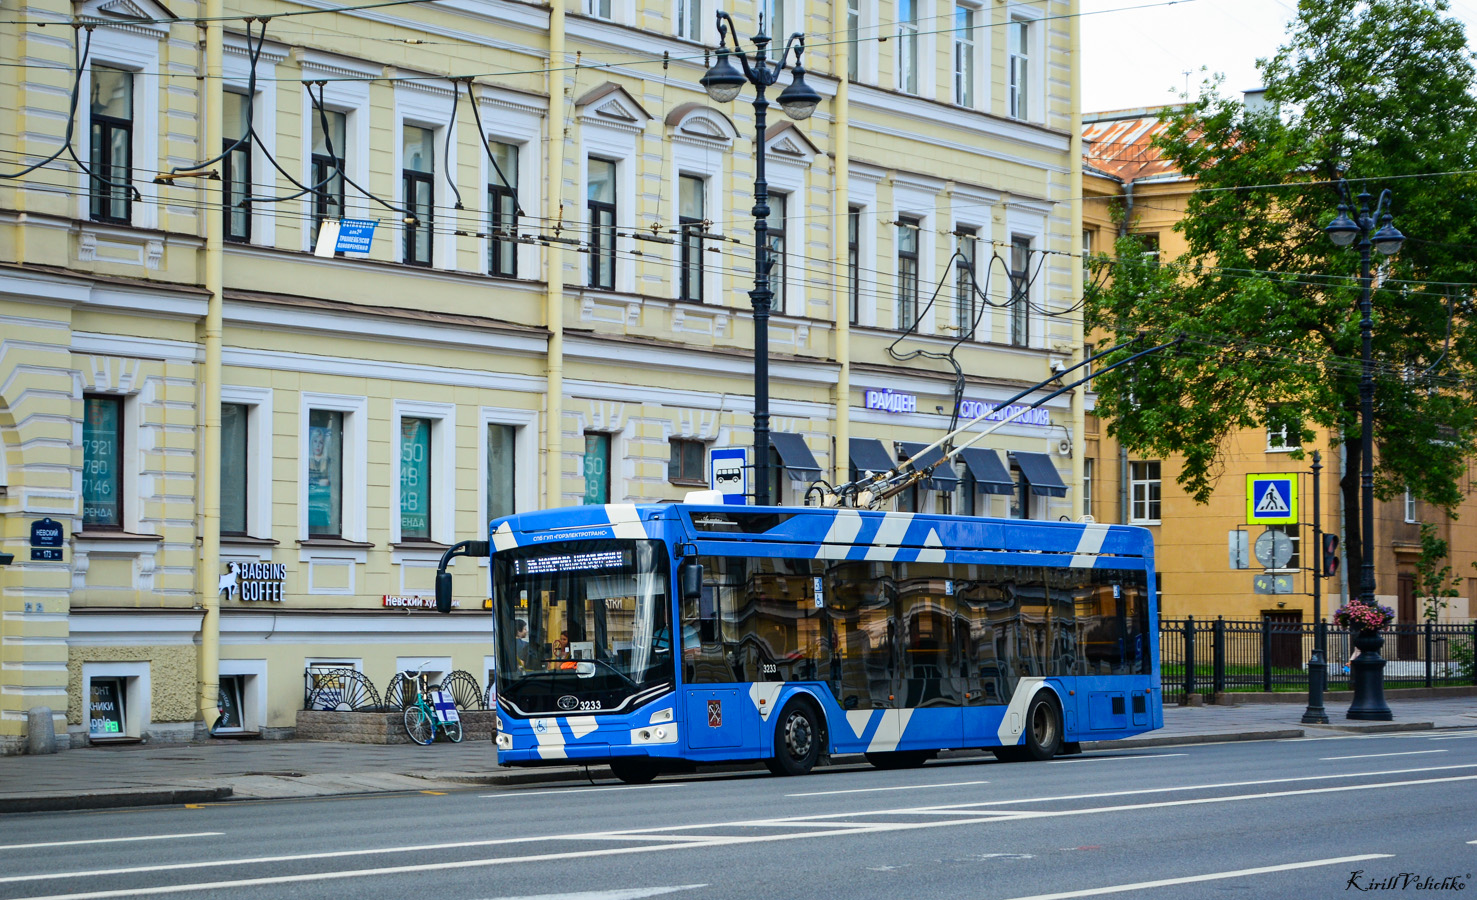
x,y
1282,435
236,167
1087,486
907,46
325,473
779,271
907,273
502,211
1020,291
688,462
853,39
964,290
111,158
1020,60
964,55
1143,483
597,467
854,261
235,460
600,190
1409,507
1149,241
1293,534
691,219
1019,505
102,455
779,24
502,470
415,479
107,711
600,9
967,503
690,19
330,149
418,183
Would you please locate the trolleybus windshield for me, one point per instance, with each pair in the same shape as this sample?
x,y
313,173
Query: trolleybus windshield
x,y
583,626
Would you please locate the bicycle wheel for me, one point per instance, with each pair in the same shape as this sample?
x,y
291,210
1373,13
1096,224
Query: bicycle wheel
x,y
454,731
418,725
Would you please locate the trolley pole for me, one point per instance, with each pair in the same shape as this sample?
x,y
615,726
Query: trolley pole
x,y
1318,662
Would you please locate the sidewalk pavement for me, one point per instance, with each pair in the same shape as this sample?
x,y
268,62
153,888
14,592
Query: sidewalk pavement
x,y
154,774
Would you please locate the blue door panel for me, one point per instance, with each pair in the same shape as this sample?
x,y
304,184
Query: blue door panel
x,y
714,718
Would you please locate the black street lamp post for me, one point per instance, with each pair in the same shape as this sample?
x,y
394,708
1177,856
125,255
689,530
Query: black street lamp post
x,y
1368,669
723,83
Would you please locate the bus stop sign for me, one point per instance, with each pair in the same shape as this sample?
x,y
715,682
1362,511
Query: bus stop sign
x,y
728,473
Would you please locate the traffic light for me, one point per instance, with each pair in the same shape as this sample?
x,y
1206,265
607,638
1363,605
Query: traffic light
x,y
1330,554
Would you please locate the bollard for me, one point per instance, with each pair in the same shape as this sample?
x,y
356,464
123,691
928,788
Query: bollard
x,y
40,731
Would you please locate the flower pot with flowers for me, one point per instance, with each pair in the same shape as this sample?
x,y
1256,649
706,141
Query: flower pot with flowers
x,y
1364,620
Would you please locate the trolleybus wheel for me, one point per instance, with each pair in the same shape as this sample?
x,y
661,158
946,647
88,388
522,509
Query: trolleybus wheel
x,y
633,771
1043,732
904,759
797,740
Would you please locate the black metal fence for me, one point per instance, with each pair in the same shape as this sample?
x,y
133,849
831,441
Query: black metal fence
x,y
1205,656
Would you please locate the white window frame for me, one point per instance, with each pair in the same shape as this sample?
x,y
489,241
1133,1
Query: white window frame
x,y
1134,484
980,54
862,193
1028,223
345,91
130,457
696,152
259,434
1088,463
424,106
137,694
977,219
790,175
920,202
1408,506
355,491
509,119
1036,87
131,49
525,459
917,24
253,691
1278,441
237,66
866,44
683,12
442,465
600,140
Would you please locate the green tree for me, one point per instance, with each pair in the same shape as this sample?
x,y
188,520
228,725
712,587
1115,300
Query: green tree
x,y
1435,585
1380,92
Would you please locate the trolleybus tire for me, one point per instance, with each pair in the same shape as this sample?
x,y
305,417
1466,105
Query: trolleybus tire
x,y
900,759
634,770
797,740
1043,738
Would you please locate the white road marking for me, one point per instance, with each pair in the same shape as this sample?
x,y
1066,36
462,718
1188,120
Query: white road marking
x,y
1079,759
909,787
1373,755
965,817
588,790
1455,737
1212,876
143,837
617,894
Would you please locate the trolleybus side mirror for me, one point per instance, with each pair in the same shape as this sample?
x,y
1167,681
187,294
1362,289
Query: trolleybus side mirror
x,y
443,591
690,580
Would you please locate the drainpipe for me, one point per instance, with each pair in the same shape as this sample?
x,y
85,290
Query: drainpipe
x,y
841,287
554,256
1123,510
210,395
1079,394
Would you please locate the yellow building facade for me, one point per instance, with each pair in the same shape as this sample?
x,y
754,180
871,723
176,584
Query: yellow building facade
x,y
552,309
1130,188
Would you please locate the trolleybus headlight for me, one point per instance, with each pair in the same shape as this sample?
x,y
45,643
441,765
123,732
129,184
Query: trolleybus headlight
x,y
504,741
661,715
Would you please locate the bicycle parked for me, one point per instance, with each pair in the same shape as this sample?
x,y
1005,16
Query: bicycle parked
x,y
433,708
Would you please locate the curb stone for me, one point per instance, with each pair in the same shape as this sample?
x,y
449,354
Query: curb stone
x,y
113,799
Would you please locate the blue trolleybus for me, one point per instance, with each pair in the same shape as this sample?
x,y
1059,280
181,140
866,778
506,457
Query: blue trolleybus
x,y
657,638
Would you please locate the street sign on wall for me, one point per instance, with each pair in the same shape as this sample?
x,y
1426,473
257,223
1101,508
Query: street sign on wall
x,y
1271,499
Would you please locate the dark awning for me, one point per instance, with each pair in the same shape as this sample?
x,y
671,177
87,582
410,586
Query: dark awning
x,y
797,458
989,473
868,455
943,477
1039,471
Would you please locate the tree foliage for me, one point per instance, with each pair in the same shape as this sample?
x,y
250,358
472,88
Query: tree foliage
x,y
1380,92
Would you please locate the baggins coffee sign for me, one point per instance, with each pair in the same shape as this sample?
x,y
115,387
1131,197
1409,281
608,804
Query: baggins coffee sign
x,y
253,581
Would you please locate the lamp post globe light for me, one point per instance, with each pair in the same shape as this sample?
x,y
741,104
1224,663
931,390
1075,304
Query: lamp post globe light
x,y
1368,670
723,82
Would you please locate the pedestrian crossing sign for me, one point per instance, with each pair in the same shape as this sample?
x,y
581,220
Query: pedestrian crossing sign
x,y
1271,499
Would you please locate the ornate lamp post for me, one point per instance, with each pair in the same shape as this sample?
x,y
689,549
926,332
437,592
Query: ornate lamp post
x,y
1368,670
723,83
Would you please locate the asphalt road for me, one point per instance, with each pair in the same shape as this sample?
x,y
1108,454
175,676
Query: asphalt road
x,y
1270,819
